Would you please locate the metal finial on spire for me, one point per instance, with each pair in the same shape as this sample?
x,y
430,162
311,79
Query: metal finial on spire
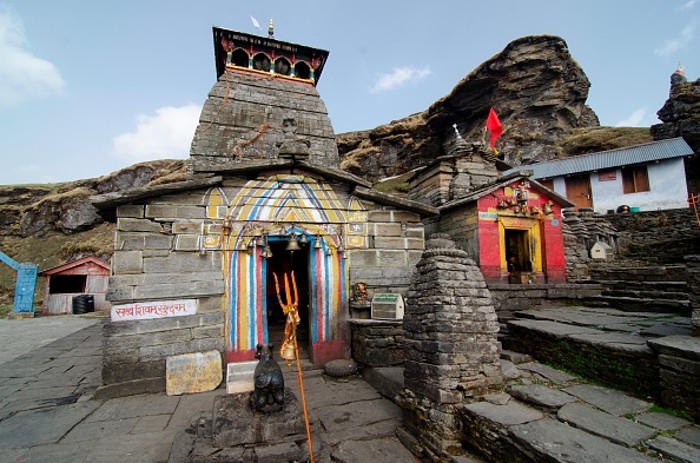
x,y
271,29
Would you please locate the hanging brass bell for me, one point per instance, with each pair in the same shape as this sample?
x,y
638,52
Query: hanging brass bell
x,y
303,239
317,243
288,353
267,253
293,244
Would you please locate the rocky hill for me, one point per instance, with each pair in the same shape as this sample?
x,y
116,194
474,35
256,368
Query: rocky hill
x,y
535,86
55,223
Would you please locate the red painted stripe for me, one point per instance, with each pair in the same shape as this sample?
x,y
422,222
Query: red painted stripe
x,y
258,297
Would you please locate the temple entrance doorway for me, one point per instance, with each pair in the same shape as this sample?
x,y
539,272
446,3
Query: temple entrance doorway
x,y
518,256
285,262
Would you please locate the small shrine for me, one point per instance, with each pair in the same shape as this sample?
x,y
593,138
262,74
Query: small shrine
x,y
511,225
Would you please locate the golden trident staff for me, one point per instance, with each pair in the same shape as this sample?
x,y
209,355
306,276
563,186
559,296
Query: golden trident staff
x,y
289,349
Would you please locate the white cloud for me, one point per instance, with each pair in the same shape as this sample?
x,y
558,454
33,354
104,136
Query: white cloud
x,y
688,5
679,42
399,77
166,135
633,120
23,76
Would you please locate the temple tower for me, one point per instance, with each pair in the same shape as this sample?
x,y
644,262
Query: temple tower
x,y
261,82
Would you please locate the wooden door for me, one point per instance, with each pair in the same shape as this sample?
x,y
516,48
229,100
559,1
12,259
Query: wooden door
x,y
578,190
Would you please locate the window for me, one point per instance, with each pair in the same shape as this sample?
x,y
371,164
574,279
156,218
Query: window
x,y
283,67
61,284
547,183
239,58
302,70
635,179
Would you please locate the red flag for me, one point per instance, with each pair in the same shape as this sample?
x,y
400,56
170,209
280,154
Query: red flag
x,y
494,126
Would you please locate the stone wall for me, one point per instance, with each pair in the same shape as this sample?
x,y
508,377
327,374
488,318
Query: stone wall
x,y
508,299
377,343
657,236
462,226
135,351
581,230
395,241
693,275
158,257
679,370
627,367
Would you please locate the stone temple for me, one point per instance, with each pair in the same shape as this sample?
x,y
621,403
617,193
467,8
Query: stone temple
x,y
195,261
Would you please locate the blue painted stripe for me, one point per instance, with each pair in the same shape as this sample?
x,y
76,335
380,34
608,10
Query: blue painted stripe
x,y
314,286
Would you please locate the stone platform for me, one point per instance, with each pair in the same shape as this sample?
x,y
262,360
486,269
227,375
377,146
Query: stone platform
x,y
610,346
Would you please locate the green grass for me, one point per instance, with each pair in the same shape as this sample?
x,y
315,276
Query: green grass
x,y
5,309
670,411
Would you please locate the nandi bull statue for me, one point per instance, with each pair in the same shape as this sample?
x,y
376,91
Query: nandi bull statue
x,y
269,383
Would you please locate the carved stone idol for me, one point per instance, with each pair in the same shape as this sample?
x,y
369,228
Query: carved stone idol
x,y
291,146
268,396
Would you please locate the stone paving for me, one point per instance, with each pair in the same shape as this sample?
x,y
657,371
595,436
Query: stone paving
x,y
48,414
37,332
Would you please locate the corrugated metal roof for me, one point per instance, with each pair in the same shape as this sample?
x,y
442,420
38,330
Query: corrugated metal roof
x,y
638,154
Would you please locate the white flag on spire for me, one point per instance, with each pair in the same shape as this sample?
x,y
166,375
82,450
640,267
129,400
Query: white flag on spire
x,y
256,24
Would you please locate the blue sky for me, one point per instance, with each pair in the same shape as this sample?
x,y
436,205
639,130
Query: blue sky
x,y
88,87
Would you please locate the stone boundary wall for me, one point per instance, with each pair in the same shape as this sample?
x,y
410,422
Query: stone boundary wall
x,y
377,343
693,274
679,371
660,236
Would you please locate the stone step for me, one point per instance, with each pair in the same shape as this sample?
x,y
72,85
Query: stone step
x,y
504,432
553,441
644,294
652,273
664,285
632,304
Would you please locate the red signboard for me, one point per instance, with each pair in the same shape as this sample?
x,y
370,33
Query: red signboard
x,y
607,176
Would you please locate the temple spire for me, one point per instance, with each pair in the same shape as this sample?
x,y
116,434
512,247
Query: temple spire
x,y
271,29
678,76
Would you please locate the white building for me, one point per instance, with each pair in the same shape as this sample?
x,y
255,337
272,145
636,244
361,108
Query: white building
x,y
646,177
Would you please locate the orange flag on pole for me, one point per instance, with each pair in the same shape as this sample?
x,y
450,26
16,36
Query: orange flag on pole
x,y
494,126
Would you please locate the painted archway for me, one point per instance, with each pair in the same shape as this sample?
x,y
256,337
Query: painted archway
x,y
276,208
